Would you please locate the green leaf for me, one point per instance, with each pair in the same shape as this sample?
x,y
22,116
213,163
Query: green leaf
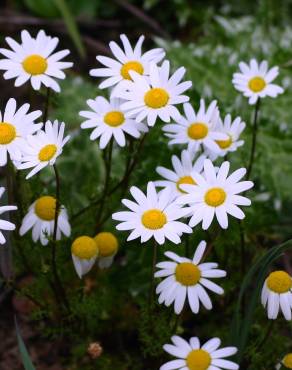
x,y
71,25
241,326
26,360
43,8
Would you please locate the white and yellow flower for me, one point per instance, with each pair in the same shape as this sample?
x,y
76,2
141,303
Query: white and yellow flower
x,y
84,252
44,148
156,96
41,219
286,362
182,173
216,194
233,130
254,80
194,356
15,126
129,59
187,279
277,295
108,120
153,215
197,130
32,59
4,224
108,246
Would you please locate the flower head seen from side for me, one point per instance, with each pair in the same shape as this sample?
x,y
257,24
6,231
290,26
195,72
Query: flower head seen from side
x,y
191,355
43,148
233,130
186,278
153,215
286,362
108,246
255,80
41,219
108,120
5,225
196,129
33,59
130,59
84,252
15,126
156,96
216,194
182,173
277,295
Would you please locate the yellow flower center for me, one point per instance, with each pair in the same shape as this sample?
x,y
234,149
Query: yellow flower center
x,y
156,98
279,282
198,130
45,208
84,248
224,144
47,152
154,219
187,273
7,133
131,66
185,180
114,118
35,64
107,244
214,197
287,361
257,84
198,359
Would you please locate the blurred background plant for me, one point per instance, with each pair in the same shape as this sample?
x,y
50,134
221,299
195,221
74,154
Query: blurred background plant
x,y
209,38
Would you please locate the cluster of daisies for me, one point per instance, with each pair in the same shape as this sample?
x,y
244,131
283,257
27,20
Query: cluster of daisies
x,y
142,91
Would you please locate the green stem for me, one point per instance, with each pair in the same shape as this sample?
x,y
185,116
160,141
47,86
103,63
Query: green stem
x,y
47,104
152,284
57,281
121,184
254,140
108,166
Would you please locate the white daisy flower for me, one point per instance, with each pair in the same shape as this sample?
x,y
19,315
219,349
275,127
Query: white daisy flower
x,y
194,356
216,193
254,80
277,295
108,246
154,215
233,130
15,126
156,96
108,120
286,362
5,225
197,129
32,59
41,219
84,252
184,169
187,279
129,59
43,148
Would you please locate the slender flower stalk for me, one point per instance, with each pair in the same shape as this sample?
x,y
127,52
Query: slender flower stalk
x,y
151,290
254,139
47,104
60,291
108,166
